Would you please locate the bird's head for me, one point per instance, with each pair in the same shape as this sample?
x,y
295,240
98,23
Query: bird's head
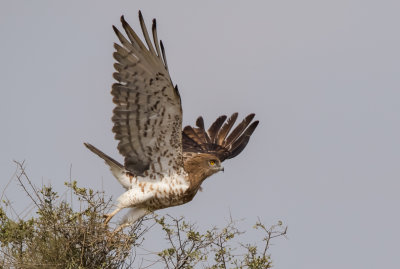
x,y
202,165
214,164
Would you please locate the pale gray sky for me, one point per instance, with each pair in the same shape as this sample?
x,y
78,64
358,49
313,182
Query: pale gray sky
x,y
322,77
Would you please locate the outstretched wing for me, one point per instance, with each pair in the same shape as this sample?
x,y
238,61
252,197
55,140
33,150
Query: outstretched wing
x,y
218,139
148,113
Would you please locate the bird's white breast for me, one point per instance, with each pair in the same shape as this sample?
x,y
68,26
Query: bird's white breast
x,y
163,192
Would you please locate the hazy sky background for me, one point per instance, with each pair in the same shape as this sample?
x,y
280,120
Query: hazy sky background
x,y
321,76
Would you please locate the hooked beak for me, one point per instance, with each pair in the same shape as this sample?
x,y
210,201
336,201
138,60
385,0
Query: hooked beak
x,y
221,169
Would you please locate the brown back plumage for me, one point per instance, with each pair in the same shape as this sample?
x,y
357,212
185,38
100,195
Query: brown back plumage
x,y
218,140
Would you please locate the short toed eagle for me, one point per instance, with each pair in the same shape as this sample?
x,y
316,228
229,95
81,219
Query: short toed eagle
x,y
164,166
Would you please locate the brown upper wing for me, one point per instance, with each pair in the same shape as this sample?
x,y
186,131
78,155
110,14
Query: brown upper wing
x,y
148,114
219,139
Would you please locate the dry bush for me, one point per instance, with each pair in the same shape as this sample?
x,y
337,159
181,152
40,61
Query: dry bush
x,y
59,236
215,248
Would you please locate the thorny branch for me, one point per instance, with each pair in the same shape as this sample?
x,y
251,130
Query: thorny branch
x,y
22,175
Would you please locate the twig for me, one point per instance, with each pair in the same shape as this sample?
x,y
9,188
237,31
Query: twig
x,y
19,176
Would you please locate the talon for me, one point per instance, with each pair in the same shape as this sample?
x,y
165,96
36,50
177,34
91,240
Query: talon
x,y
109,216
107,219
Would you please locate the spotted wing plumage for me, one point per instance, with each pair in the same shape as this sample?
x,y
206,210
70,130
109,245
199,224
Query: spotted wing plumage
x,y
148,114
219,139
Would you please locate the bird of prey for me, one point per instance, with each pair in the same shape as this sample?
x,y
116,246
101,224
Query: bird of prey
x,y
164,166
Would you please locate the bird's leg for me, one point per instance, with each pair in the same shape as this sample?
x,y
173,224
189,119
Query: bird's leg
x,y
109,216
120,227
131,217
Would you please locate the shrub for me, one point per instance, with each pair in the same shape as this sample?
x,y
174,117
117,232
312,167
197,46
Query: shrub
x,y
58,236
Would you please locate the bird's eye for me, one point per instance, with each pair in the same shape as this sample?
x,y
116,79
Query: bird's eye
x,y
212,162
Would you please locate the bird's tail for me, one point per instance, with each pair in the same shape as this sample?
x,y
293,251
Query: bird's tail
x,y
116,168
110,161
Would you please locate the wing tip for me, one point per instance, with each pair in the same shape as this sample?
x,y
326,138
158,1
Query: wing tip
x,y
200,122
250,117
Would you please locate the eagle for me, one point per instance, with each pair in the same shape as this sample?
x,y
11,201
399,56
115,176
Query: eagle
x,y
164,165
